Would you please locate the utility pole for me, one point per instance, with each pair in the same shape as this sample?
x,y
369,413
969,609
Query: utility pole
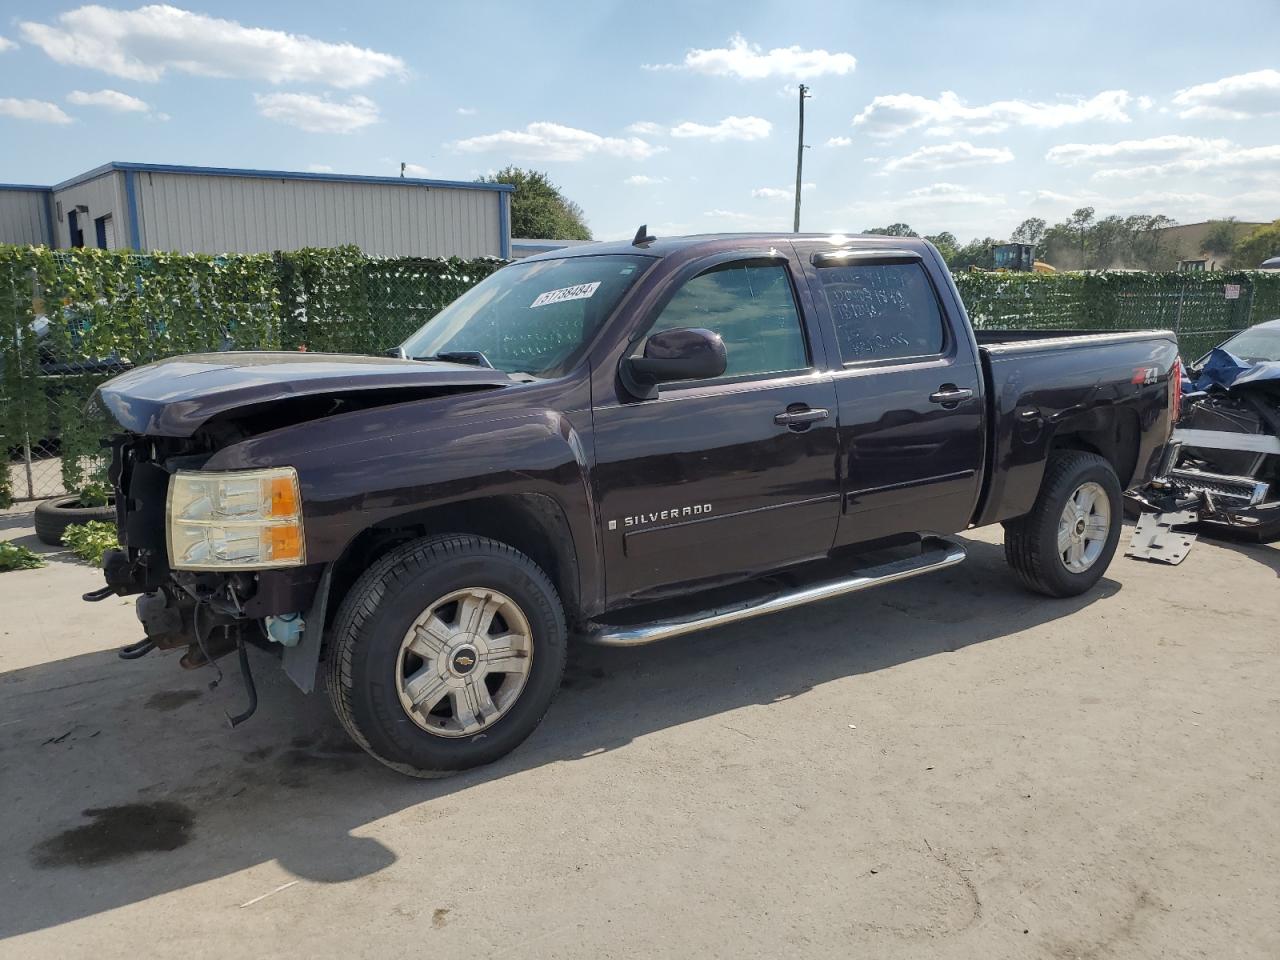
x,y
804,93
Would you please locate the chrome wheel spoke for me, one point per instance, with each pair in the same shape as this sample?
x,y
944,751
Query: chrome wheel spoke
x,y
506,654
1064,537
473,708
1097,528
425,689
475,613
430,638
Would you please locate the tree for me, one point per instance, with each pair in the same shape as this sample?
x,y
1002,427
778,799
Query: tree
x,y
1220,238
976,253
1108,242
946,243
1079,223
1260,244
539,211
1030,230
1148,247
892,230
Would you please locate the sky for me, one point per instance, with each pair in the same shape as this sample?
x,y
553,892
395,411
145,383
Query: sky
x,y
958,116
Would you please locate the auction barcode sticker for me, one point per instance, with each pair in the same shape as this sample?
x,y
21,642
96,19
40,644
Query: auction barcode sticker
x,y
579,291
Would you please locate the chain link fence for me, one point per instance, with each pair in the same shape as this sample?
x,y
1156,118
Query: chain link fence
x,y
70,320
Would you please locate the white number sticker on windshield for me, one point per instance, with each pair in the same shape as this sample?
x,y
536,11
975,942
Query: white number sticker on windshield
x,y
579,291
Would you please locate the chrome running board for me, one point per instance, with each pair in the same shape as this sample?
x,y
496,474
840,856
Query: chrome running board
x,y
936,553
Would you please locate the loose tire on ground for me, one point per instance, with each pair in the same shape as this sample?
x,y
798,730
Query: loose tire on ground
x,y
365,673
1031,542
52,517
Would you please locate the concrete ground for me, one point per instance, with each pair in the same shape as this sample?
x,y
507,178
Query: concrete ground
x,y
949,767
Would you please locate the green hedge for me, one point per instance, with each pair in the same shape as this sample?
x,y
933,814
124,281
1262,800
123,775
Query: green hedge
x,y
1194,305
103,305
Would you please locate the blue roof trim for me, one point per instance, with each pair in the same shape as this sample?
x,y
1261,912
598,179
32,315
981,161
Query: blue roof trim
x,y
25,187
278,175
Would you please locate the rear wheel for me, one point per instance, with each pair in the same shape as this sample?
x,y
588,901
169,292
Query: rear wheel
x,y
446,654
1065,544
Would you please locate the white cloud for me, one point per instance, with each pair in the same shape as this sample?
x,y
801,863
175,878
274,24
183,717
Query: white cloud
x,y
554,141
145,43
839,141
747,61
415,170
41,111
7,44
1150,150
110,100
1240,97
746,221
319,168
641,180
647,128
949,193
780,193
317,114
895,114
1165,156
730,128
1144,103
467,111
948,155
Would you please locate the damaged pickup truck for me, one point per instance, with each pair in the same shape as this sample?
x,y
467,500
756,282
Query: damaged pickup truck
x,y
1222,466
616,444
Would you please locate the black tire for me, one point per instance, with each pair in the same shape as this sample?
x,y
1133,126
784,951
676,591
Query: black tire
x,y
1030,542
52,517
365,648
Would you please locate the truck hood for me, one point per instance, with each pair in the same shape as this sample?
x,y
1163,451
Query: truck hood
x,y
175,397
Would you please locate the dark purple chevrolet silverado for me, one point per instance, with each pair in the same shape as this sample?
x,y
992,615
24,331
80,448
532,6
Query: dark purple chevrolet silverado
x,y
615,444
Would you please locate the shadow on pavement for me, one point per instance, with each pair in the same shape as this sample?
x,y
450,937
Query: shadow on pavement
x,y
119,781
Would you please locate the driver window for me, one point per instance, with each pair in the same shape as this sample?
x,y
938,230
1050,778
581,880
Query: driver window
x,y
753,309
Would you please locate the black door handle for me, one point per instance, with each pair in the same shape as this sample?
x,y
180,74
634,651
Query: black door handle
x,y
801,416
950,395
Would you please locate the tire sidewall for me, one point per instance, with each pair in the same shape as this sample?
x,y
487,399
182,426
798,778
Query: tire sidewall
x,y
52,517
375,700
1063,581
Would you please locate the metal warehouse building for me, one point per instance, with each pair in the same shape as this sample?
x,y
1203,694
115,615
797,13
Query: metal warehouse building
x,y
146,206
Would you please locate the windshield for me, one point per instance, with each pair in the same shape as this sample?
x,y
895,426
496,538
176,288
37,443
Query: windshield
x,y
532,317
1256,345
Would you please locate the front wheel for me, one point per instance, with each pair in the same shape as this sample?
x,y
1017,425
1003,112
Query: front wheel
x,y
1065,544
446,654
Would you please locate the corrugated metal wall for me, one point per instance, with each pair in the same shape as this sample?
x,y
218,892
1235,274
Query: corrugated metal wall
x,y
104,196
229,214
24,216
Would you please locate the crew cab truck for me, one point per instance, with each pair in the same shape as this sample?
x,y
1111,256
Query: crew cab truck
x,y
616,443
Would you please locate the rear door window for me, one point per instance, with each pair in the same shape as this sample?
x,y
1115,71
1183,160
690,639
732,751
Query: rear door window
x,y
883,311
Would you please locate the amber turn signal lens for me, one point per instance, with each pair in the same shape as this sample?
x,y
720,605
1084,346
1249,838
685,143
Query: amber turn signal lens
x,y
286,543
284,497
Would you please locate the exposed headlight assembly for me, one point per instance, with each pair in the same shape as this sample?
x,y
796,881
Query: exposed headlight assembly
x,y
235,520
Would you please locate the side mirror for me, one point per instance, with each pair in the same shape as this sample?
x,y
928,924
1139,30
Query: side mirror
x,y
670,355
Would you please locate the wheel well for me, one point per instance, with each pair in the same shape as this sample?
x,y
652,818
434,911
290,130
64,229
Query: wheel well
x,y
532,523
1111,434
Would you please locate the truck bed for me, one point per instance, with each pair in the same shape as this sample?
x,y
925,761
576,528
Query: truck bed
x,y
1039,381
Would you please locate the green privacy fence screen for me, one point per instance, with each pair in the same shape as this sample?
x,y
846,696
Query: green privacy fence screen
x,y
69,320
1202,308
